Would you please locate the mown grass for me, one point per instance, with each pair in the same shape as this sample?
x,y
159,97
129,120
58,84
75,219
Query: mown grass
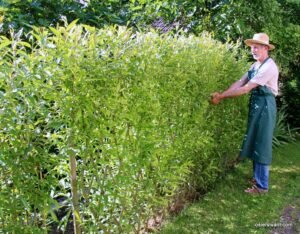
x,y
228,209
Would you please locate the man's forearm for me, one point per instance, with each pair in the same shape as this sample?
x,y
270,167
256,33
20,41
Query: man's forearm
x,y
234,92
238,84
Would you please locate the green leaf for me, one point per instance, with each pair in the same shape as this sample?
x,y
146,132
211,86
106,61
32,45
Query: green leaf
x,y
4,44
71,25
26,44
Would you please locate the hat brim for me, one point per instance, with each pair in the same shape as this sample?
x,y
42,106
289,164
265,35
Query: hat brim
x,y
249,42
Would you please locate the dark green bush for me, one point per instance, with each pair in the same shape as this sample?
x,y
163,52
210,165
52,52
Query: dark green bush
x,y
111,124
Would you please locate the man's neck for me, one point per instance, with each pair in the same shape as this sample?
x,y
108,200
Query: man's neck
x,y
263,58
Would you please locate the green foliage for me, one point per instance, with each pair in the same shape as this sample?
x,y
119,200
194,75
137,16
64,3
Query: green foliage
x,y
225,19
19,13
288,55
283,133
26,13
238,20
132,109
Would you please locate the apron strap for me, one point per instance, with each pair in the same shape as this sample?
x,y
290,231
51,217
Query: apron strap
x,y
263,63
253,71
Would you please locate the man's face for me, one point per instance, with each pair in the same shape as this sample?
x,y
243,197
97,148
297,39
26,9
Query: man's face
x,y
258,51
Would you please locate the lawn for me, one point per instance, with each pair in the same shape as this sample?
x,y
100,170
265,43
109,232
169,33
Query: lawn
x,y
228,209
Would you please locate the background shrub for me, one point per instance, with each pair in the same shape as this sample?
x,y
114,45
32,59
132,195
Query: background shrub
x,y
107,125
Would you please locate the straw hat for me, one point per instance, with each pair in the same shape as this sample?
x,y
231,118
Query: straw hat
x,y
260,38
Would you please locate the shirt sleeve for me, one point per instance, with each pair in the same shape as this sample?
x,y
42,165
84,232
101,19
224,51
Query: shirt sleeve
x,y
244,77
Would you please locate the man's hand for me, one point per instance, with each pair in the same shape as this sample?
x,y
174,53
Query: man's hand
x,y
215,98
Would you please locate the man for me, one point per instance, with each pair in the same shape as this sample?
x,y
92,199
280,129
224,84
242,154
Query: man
x,y
262,81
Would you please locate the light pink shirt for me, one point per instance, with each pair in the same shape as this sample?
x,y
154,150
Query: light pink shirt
x,y
267,75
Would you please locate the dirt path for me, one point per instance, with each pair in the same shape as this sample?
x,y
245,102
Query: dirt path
x,y
289,221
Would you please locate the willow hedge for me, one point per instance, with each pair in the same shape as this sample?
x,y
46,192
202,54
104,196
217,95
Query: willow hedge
x,y
104,127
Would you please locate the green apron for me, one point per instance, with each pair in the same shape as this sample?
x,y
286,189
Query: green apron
x,y
257,144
